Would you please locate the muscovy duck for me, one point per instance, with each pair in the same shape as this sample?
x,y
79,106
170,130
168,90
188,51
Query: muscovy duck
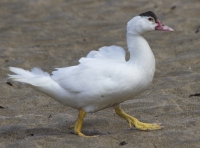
x,y
103,78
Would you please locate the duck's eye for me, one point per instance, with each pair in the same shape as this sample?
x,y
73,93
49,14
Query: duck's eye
x,y
150,19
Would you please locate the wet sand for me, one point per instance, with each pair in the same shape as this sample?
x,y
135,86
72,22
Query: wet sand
x,y
57,33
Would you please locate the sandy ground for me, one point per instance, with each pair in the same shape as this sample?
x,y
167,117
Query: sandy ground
x,y
51,34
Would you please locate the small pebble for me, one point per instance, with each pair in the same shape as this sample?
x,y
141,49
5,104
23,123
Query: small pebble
x,y
195,95
1,107
173,7
123,143
9,83
197,30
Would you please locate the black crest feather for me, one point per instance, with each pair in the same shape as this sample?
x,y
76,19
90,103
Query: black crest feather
x,y
149,13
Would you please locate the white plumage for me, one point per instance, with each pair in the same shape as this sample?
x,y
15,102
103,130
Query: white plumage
x,y
103,78
100,80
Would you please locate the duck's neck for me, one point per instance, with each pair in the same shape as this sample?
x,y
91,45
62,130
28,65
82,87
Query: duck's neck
x,y
140,52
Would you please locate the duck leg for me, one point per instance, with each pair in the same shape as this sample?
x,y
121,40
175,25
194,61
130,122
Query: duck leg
x,y
134,122
78,124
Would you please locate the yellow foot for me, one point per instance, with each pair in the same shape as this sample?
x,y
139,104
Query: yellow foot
x,y
143,126
78,125
134,122
82,135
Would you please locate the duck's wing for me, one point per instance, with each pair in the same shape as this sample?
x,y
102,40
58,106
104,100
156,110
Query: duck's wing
x,y
95,67
107,53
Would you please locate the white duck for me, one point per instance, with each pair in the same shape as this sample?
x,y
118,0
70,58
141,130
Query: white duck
x,y
104,78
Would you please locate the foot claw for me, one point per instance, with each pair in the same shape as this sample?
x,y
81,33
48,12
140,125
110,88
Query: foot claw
x,y
71,127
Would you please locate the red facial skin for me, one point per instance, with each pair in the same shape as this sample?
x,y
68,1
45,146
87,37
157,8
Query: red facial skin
x,y
162,27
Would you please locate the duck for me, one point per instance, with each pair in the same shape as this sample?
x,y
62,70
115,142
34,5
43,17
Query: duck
x,y
104,78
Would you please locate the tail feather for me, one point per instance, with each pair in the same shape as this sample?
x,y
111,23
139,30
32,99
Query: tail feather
x,y
40,81
34,77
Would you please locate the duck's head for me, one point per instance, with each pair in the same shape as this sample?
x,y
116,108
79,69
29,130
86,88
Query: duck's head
x,y
146,22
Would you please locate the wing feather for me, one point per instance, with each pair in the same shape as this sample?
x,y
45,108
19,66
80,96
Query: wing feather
x,y
97,65
107,53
